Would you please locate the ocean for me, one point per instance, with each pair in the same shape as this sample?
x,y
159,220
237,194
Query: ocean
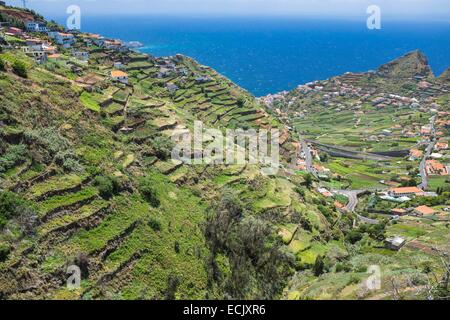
x,y
268,55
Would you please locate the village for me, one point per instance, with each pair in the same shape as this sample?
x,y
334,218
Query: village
x,y
395,138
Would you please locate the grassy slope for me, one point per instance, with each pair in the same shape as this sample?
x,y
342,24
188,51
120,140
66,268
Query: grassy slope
x,y
115,234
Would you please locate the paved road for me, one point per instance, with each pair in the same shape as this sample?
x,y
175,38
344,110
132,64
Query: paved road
x,y
308,159
428,151
352,196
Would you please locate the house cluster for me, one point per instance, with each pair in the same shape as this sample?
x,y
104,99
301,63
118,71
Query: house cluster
x,y
420,211
93,39
34,46
435,168
167,68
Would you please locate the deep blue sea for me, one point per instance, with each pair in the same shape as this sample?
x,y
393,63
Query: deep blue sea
x,y
268,55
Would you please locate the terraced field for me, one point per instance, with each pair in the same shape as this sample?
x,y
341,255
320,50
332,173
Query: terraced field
x,y
102,193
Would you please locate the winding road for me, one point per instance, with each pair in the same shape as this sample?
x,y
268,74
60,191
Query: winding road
x,y
428,151
352,196
308,159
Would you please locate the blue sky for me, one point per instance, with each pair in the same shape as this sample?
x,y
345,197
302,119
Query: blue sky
x,y
401,9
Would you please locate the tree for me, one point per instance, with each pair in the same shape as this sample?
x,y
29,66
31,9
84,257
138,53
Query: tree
x,y
319,266
107,186
173,281
308,180
353,236
257,265
324,157
2,65
12,206
148,192
163,147
240,102
20,68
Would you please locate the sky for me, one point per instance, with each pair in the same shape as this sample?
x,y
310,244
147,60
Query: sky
x,y
397,9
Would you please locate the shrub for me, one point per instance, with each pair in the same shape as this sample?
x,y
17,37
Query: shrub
x,y
107,186
4,251
148,192
342,267
319,266
13,155
177,247
2,65
20,68
47,142
240,102
308,180
11,206
68,160
173,281
163,147
353,236
155,224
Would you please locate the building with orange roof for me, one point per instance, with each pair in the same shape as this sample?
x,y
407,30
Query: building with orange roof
x,y
398,212
120,76
54,56
14,31
405,192
441,146
415,154
64,39
424,211
425,131
435,168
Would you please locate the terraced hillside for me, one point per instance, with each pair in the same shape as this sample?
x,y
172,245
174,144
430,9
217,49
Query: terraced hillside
x,y
387,112
87,180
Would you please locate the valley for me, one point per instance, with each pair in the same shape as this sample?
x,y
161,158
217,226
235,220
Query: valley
x,y
87,179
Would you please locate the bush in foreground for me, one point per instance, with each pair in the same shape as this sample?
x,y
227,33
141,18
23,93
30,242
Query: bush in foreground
x,y
20,69
107,186
148,192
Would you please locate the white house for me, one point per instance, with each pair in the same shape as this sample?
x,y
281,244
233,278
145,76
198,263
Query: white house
x,y
405,192
64,39
119,76
97,39
118,65
81,55
35,44
395,243
33,26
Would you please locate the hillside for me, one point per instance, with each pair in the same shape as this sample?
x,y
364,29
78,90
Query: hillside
x,y
87,179
411,65
371,135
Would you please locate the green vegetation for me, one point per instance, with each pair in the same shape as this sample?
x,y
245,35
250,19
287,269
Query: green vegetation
x,y
13,155
107,186
20,68
99,190
11,206
87,100
148,191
